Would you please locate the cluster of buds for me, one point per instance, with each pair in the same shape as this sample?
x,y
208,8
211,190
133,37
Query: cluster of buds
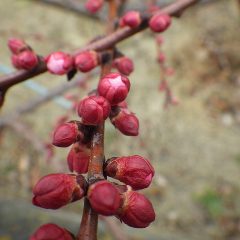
x,y
23,57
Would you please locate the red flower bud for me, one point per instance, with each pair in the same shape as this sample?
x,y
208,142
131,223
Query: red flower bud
x,y
114,87
59,63
104,198
160,22
17,45
86,61
66,134
131,19
124,65
161,57
51,231
137,210
93,110
78,159
25,60
126,122
56,190
94,5
135,171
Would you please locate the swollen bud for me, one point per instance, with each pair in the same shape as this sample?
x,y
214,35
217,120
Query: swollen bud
x,y
59,63
56,190
104,198
17,45
135,171
25,60
131,19
78,158
126,122
66,134
93,110
137,211
124,65
160,22
114,87
94,5
51,231
86,61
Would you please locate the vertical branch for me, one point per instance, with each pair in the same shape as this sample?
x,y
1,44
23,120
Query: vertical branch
x,y
89,223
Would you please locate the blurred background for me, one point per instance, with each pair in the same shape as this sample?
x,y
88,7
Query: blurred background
x,y
193,145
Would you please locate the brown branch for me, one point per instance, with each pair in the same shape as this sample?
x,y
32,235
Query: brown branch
x,y
105,43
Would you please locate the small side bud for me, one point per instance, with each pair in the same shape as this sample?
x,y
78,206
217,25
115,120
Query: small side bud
x,y
66,134
52,232
161,57
104,198
86,61
131,19
17,45
94,6
124,65
93,110
126,122
59,63
78,158
137,211
114,87
135,171
160,22
56,190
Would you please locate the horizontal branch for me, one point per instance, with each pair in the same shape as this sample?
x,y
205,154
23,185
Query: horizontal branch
x,y
109,41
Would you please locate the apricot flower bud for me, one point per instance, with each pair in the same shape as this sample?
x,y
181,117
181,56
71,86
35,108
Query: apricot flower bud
x,y
25,60
78,158
114,87
59,63
135,171
160,22
56,190
86,61
104,198
137,211
126,122
66,134
51,231
131,19
124,65
94,5
93,110
17,45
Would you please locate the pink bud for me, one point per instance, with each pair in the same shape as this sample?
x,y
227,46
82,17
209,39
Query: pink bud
x,y
86,61
131,19
126,122
56,190
51,231
66,134
78,158
114,87
94,6
124,65
25,60
17,45
137,210
159,39
93,110
160,22
59,63
161,57
104,198
135,171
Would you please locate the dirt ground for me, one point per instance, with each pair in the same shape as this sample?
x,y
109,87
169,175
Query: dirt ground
x,y
193,146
